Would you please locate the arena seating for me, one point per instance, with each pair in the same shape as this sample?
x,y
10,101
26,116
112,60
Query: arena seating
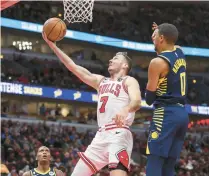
x,y
48,72
193,31
18,142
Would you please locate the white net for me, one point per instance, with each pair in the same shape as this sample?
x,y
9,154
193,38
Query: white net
x,y
76,11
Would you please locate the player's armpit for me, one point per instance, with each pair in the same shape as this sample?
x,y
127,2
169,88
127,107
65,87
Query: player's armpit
x,y
27,173
157,68
134,94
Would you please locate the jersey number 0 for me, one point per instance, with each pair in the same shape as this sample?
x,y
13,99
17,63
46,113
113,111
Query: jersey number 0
x,y
183,83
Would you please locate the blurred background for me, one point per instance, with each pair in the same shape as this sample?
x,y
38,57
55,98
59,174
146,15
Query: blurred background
x,y
42,103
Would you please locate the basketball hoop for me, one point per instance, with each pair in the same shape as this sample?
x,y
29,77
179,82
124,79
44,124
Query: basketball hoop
x,y
76,11
7,3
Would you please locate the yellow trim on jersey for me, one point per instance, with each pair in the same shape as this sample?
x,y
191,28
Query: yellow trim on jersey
x,y
158,118
155,118
169,50
158,114
158,129
159,110
147,150
161,56
162,86
158,125
157,122
43,173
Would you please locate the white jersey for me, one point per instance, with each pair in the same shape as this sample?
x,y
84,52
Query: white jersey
x,y
112,98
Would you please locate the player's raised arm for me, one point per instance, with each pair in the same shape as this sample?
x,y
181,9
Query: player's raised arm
x,y
86,76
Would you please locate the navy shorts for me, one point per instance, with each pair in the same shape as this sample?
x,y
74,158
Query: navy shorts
x,y
167,131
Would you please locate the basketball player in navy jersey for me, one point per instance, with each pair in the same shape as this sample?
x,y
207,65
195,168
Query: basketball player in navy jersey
x,y
43,169
167,90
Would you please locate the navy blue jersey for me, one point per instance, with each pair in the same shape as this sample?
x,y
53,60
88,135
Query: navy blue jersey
x,y
172,89
50,172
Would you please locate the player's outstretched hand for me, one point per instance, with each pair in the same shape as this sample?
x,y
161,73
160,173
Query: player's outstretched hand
x,y
121,117
154,26
50,43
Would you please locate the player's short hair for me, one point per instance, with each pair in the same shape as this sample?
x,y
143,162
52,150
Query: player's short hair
x,y
169,31
128,59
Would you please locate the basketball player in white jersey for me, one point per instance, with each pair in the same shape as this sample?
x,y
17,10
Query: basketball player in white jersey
x,y
119,98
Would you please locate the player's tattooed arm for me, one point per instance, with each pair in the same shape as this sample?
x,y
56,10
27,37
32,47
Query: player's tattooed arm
x,y
27,173
134,94
83,74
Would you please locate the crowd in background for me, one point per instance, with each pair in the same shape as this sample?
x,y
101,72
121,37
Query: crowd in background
x,y
19,147
134,25
18,142
52,73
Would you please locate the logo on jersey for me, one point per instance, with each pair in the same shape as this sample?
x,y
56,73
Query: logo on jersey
x,y
105,80
154,135
112,88
51,173
120,79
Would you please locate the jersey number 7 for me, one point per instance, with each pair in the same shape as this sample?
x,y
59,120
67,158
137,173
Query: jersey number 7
x,y
104,102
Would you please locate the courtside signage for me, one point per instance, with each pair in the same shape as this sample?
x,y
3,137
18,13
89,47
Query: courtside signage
x,y
73,95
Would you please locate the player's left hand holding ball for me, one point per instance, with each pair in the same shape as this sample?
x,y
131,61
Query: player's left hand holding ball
x,y
50,43
120,117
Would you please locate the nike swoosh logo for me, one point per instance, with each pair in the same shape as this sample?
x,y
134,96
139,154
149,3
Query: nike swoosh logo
x,y
117,132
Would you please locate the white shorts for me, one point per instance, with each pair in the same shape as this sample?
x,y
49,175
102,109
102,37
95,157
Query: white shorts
x,y
109,148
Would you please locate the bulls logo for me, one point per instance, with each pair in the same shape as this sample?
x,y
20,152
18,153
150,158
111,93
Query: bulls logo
x,y
120,79
123,158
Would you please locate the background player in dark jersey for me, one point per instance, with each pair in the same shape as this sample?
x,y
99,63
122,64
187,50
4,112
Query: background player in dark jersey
x,y
167,89
43,156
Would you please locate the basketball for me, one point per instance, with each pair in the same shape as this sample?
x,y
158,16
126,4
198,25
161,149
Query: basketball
x,y
55,29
